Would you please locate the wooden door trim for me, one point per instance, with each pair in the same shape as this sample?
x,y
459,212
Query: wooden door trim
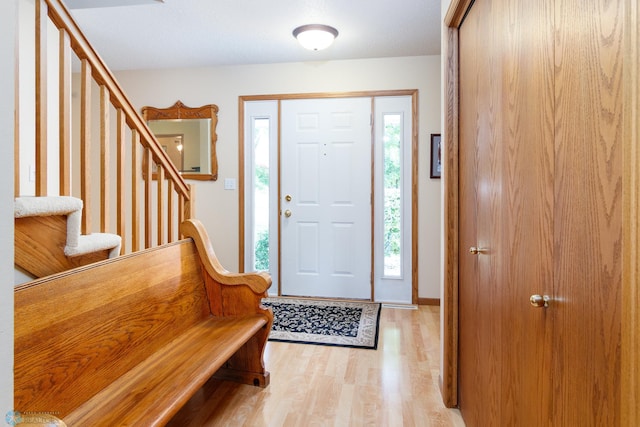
x,y
413,93
449,375
630,413
456,13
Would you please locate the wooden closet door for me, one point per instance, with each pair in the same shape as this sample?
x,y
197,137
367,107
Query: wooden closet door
x,y
589,91
506,182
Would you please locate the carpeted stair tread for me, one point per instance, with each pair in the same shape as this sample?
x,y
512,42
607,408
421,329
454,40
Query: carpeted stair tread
x,y
76,244
45,206
94,242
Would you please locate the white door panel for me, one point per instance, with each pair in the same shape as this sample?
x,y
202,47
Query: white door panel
x,y
326,169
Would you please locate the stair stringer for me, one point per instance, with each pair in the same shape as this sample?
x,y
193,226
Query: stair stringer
x,y
48,239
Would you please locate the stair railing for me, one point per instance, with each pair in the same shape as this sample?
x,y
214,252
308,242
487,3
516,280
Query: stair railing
x,y
139,158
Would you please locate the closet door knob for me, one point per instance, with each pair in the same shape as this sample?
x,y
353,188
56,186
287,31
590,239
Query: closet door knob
x,y
539,301
475,251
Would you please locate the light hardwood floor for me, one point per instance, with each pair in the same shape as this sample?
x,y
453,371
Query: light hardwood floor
x,y
311,385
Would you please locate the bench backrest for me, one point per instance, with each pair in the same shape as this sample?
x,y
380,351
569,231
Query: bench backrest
x,y
77,331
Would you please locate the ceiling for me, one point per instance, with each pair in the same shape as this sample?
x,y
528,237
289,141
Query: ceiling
x,y
148,34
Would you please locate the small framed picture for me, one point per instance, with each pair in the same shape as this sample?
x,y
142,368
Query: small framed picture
x,y
436,157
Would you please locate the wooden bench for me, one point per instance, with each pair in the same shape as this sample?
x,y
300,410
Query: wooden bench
x,y
128,341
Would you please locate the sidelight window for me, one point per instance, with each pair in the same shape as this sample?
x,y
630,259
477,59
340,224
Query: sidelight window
x,y
392,195
261,179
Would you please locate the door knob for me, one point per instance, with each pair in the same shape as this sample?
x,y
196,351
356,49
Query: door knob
x,y
539,300
475,251
287,197
287,213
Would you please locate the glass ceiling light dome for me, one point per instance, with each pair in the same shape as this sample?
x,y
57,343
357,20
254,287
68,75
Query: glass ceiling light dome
x,y
315,36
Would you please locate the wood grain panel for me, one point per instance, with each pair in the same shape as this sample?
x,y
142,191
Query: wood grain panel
x,y
524,53
148,206
506,207
105,160
588,211
415,266
121,179
65,113
490,284
630,376
160,205
172,290
85,144
170,212
39,246
456,12
136,172
183,364
559,204
41,98
450,170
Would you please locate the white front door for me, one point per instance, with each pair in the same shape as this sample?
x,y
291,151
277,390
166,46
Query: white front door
x,y
325,206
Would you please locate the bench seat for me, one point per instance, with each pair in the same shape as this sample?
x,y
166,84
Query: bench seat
x,y
185,364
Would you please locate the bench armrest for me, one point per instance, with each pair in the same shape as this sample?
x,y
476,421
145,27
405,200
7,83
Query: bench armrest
x,y
230,294
259,282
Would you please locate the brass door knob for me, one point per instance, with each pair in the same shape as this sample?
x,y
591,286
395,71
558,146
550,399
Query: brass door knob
x,y
539,301
475,251
287,213
287,197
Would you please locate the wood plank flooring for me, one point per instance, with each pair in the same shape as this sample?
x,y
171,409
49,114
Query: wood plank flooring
x,y
311,385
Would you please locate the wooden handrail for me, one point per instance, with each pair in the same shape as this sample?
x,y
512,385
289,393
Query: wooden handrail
x,y
106,184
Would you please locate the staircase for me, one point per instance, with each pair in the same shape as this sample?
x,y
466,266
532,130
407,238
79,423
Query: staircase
x,y
112,188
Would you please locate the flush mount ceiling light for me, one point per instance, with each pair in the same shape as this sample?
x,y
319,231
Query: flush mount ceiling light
x,y
315,36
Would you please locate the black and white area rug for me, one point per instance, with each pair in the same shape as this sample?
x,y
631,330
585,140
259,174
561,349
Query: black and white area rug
x,y
323,322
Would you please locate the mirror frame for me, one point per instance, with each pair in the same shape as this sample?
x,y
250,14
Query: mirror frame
x,y
181,111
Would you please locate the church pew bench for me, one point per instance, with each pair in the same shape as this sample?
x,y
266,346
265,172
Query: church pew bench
x,y
128,341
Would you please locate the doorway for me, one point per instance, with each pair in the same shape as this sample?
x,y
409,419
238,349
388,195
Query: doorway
x,y
318,213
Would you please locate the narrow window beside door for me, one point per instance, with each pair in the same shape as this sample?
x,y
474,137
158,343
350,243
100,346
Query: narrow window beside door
x,y
261,178
393,279
392,196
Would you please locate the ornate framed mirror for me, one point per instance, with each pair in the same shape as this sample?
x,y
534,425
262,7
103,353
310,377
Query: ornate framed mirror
x,y
188,135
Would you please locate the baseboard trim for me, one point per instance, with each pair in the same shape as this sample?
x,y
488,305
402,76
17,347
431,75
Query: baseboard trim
x,y
429,301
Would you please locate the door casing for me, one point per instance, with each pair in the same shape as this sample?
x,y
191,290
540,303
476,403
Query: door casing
x,y
414,166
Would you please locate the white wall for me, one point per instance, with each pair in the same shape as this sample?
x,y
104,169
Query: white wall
x,y
8,20
218,209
